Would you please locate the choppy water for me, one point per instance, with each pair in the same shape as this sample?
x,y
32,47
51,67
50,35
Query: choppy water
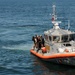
x,y
19,21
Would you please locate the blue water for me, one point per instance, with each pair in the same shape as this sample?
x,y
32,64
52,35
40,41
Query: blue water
x,y
19,21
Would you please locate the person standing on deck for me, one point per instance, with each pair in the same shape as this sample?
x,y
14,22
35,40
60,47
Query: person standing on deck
x,y
42,41
34,39
39,43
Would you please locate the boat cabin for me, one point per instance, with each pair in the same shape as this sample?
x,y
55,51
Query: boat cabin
x,y
59,38
58,35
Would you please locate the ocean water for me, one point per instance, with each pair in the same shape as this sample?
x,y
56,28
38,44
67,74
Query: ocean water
x,y
19,21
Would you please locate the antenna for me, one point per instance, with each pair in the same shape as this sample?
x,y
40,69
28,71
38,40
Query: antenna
x,y
53,15
68,24
54,18
54,10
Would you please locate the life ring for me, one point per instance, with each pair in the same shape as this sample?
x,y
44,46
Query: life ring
x,y
66,50
44,50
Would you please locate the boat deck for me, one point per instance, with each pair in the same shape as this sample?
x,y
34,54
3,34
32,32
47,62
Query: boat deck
x,y
47,53
51,52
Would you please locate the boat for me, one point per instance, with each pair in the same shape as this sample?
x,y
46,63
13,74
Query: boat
x,y
59,44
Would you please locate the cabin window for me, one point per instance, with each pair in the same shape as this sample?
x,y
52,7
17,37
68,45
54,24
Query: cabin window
x,y
72,37
56,38
46,37
50,38
67,44
65,38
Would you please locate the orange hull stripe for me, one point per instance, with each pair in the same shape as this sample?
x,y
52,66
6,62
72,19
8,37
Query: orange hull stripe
x,y
63,55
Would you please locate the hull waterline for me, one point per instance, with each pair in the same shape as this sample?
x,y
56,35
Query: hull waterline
x,y
66,59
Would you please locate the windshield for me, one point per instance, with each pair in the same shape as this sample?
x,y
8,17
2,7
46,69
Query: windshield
x,y
56,38
66,38
72,37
